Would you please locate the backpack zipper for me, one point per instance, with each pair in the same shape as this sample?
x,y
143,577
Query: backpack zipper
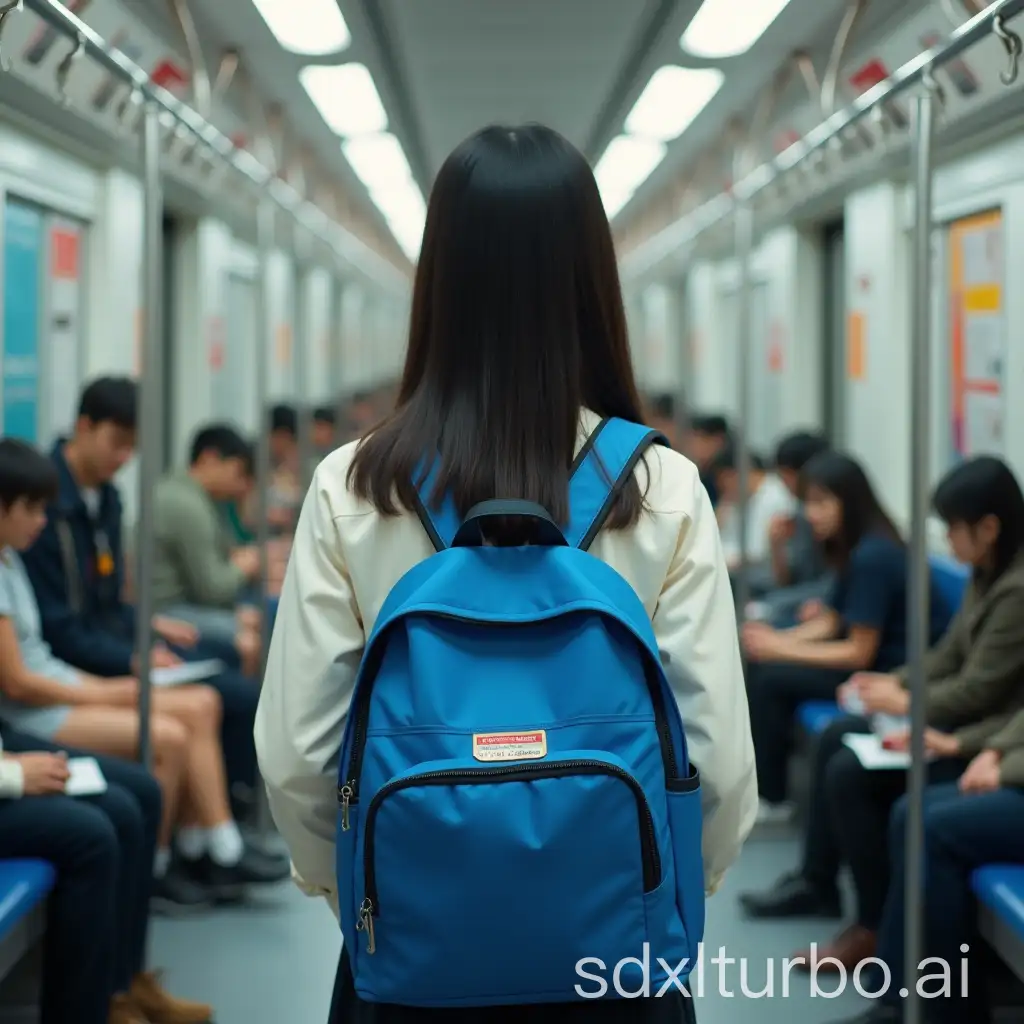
x,y
651,858
348,792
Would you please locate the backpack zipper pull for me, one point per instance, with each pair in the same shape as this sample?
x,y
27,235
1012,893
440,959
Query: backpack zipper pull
x,y
365,924
346,793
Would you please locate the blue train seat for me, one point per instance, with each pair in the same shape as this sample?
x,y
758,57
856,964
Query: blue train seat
x,y
24,887
951,579
1000,892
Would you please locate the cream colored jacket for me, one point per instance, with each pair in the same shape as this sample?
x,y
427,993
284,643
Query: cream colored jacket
x,y
345,560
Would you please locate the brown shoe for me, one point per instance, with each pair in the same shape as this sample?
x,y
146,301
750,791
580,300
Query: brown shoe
x,y
123,1011
849,948
159,1007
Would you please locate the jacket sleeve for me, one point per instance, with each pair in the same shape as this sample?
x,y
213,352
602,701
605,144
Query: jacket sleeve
x,y
695,626
191,534
978,736
12,777
311,669
991,671
91,650
1010,742
945,658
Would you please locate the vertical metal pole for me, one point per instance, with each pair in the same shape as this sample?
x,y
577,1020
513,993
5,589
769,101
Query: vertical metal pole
x,y
301,357
266,221
337,334
151,406
918,595
744,248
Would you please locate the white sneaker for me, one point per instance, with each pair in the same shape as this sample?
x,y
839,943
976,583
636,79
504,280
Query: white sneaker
x,y
775,814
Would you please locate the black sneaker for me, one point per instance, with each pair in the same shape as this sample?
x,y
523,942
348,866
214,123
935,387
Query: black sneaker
x,y
792,896
229,884
178,893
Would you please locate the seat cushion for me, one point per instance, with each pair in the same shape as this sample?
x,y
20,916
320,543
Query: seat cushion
x,y
1001,888
24,884
816,715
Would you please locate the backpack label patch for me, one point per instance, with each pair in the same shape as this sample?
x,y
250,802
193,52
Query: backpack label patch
x,y
510,746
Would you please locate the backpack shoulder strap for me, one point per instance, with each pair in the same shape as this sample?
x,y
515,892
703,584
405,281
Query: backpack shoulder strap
x,y
602,468
441,522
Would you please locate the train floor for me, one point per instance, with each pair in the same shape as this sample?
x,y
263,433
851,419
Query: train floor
x,y
274,960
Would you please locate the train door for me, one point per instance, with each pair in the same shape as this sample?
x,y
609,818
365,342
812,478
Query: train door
x,y
171,299
235,381
41,340
834,334
765,401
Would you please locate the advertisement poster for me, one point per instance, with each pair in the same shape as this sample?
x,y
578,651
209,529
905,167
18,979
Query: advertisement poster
x,y
62,354
978,333
23,249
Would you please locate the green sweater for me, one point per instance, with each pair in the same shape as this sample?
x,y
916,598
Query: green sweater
x,y
192,562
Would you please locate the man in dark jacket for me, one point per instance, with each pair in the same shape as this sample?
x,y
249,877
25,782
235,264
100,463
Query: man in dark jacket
x,y
78,573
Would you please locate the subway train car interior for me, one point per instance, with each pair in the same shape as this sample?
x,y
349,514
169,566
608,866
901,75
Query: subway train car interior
x,y
213,213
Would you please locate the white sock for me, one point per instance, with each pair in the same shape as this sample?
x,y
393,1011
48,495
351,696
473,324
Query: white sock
x,y
225,844
161,863
193,842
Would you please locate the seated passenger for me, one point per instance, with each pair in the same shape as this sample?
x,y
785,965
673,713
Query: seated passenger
x,y
975,672
706,438
199,575
324,435
862,626
286,486
768,499
795,573
77,567
975,821
46,697
102,848
661,415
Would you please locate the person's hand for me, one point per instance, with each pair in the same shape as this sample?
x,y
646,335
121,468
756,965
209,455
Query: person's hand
x,y
44,774
122,692
881,694
174,631
810,610
936,744
247,561
781,529
761,642
983,774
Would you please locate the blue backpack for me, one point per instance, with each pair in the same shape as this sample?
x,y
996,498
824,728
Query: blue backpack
x,y
518,815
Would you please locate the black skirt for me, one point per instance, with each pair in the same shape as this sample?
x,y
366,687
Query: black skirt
x,y
347,1008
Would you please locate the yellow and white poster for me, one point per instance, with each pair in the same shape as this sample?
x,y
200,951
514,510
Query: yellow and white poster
x,y
978,333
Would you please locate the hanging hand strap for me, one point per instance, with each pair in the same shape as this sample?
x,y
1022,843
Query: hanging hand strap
x,y
603,466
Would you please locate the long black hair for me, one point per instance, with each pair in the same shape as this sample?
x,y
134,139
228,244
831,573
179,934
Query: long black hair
x,y
980,487
843,478
517,324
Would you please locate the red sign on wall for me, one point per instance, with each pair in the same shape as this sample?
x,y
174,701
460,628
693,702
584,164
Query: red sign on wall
x,y
169,76
64,254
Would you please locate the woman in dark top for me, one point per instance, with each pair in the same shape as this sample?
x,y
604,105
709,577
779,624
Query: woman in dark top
x,y
862,626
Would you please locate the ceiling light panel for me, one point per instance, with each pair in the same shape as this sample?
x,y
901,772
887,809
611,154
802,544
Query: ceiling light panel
x,y
308,27
627,163
726,28
378,160
672,100
346,98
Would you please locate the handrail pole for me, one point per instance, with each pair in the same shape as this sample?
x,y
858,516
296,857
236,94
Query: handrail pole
x,y
918,596
151,414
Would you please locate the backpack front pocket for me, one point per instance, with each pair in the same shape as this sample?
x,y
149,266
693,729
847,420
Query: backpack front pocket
x,y
490,884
